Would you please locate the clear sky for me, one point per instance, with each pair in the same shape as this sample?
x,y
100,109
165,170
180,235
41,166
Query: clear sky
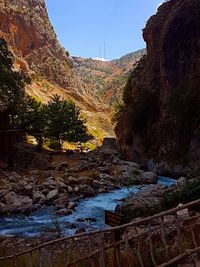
x,y
84,26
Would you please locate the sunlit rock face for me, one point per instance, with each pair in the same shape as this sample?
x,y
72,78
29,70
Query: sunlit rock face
x,y
160,123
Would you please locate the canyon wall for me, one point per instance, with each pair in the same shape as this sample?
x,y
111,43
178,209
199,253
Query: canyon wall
x,y
159,125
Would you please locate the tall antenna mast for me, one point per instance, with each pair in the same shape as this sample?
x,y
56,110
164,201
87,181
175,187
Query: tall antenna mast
x,y
99,50
104,50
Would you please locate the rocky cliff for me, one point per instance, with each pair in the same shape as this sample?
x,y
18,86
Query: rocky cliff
x,y
26,27
160,123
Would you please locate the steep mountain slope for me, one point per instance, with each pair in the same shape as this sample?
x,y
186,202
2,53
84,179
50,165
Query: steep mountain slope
x,y
106,78
160,124
26,27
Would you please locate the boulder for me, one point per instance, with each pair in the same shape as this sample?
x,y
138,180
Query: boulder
x,y
24,156
85,181
87,191
52,195
148,178
39,197
181,181
63,212
16,203
61,202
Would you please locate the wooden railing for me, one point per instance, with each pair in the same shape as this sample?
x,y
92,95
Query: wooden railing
x,y
161,240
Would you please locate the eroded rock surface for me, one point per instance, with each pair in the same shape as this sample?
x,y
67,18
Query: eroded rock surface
x,y
160,124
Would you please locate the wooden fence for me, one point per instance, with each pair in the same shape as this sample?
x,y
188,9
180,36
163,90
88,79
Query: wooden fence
x,y
164,239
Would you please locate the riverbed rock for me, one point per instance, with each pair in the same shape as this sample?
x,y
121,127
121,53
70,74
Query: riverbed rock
x,y
72,205
61,202
16,203
76,189
96,184
72,180
181,181
145,201
148,178
87,191
85,181
63,212
39,197
52,195
69,189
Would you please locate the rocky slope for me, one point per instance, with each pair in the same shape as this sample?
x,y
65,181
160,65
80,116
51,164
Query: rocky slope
x,y
106,78
160,124
26,27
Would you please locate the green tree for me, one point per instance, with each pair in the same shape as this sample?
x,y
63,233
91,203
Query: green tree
x,y
31,118
12,83
64,122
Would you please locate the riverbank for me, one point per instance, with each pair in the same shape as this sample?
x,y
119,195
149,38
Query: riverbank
x,y
63,183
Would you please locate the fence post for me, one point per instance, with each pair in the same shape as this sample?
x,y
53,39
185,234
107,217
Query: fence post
x,y
101,244
30,259
162,224
151,244
116,248
178,230
139,253
91,259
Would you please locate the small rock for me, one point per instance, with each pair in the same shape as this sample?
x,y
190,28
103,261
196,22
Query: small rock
x,y
76,189
70,189
62,166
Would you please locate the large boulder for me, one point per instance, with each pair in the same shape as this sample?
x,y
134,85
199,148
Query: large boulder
x,y
143,203
15,203
148,178
24,156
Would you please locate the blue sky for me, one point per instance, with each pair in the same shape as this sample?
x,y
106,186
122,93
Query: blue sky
x,y
84,26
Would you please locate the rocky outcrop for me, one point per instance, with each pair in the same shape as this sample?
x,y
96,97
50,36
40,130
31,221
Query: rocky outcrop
x,y
160,123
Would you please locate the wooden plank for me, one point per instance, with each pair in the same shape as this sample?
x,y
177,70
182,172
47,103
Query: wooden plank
x,y
113,219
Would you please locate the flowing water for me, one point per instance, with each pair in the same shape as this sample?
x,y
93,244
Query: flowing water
x,y
94,208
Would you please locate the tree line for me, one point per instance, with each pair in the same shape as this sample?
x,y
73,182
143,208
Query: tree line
x,y
57,121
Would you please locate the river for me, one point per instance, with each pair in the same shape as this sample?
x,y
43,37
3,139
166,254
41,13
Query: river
x,y
34,224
